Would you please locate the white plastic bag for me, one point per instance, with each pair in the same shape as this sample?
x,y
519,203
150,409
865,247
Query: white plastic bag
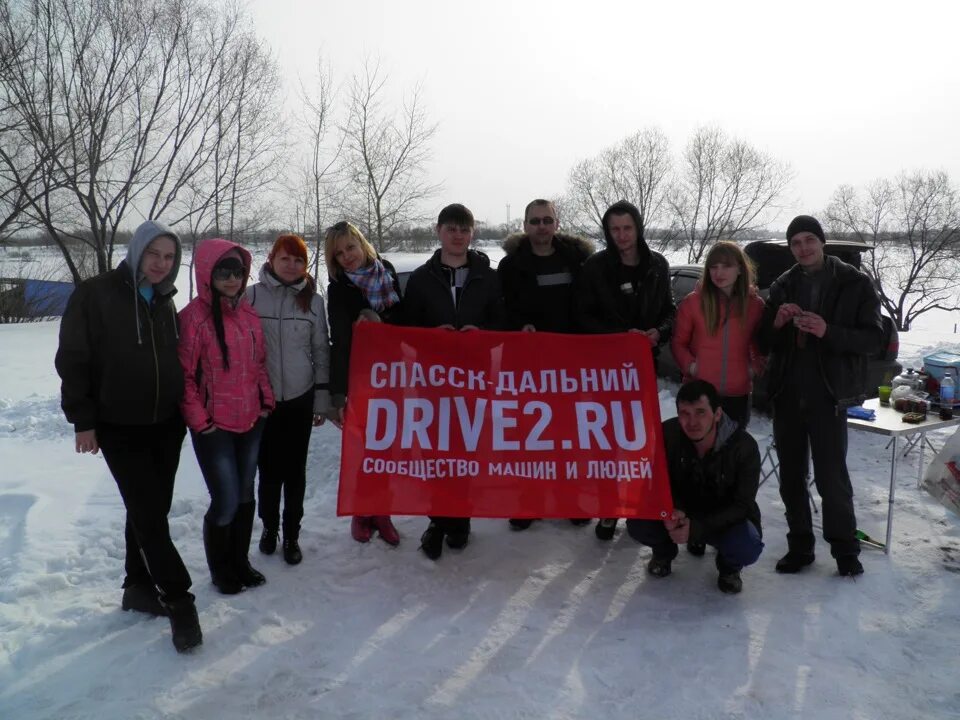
x,y
942,477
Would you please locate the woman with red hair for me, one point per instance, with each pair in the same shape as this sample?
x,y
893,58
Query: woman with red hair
x,y
298,360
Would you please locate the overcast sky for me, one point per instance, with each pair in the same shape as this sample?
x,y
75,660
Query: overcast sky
x,y
844,91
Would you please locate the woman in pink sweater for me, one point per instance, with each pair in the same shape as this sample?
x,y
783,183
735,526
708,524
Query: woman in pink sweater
x,y
226,397
713,338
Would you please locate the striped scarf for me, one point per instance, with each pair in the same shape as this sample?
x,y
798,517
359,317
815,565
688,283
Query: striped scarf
x,y
376,284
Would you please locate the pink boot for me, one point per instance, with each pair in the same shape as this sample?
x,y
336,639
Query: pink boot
x,y
361,528
387,531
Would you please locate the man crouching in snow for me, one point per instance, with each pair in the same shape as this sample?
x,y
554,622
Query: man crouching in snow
x,y
121,389
714,470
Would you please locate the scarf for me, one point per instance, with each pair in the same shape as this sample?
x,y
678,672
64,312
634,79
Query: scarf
x,y
376,284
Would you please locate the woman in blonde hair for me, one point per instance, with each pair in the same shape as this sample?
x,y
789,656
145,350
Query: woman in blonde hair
x,y
298,358
363,286
713,338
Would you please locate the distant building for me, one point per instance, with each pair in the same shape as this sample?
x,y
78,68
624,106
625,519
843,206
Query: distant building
x,y
25,298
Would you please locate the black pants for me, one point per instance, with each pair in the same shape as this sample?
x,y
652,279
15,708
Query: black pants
x,y
805,427
452,526
283,463
738,545
737,408
143,460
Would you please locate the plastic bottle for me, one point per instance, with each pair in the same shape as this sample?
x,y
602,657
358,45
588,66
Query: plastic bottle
x,y
947,393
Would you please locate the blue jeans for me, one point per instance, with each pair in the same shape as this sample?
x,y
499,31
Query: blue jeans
x,y
737,546
228,461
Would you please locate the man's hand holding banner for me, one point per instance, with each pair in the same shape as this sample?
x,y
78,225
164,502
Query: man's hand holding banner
x,y
498,424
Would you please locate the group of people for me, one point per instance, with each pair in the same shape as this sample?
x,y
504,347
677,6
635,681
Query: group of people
x,y
250,370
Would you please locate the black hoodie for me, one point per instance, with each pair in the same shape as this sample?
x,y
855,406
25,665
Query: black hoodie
x,y
613,297
117,357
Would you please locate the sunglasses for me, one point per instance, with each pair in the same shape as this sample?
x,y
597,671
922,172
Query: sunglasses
x,y
544,220
223,273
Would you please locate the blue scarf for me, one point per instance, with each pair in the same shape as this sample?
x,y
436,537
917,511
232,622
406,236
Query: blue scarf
x,y
376,284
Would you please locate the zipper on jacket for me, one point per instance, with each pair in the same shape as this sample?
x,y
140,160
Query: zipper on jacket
x,y
156,366
283,296
725,348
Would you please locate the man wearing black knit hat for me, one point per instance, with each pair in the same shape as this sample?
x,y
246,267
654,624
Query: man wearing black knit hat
x,y
821,320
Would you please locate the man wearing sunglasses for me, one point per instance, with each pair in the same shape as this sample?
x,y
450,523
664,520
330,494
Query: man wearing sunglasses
x,y
537,276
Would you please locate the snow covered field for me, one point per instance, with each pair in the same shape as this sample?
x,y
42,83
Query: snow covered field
x,y
549,623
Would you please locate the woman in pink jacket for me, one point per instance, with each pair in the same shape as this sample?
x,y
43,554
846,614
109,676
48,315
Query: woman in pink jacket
x,y
226,397
714,334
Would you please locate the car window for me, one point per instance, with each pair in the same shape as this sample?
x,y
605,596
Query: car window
x,y
682,283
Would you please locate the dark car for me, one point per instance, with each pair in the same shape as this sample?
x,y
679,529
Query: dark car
x,y
772,258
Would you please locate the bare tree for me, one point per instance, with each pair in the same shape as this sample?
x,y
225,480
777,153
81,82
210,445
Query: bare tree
x,y
320,176
386,156
914,224
724,187
636,169
127,104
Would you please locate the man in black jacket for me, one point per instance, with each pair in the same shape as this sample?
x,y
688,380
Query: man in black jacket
x,y
625,288
821,320
537,275
121,389
714,468
456,289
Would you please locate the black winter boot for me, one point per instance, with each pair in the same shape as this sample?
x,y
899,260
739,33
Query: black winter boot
x,y
605,528
728,577
292,554
143,598
431,542
242,530
520,523
794,561
184,623
218,545
268,541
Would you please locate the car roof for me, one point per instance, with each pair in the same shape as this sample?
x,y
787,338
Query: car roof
x,y
772,258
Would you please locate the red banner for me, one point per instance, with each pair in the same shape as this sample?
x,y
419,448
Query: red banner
x,y
498,424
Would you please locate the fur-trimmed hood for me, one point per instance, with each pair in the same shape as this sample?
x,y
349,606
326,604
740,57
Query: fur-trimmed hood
x,y
581,245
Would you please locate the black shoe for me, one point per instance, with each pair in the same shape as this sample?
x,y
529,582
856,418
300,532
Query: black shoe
x,y
659,568
184,623
730,582
794,562
605,528
697,549
580,522
291,551
242,530
143,598
431,542
520,523
268,541
249,576
458,541
849,566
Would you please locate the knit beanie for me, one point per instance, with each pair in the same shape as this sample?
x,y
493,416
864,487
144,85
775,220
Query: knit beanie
x,y
805,223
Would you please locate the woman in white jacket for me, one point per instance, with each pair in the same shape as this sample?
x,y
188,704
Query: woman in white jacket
x,y
298,360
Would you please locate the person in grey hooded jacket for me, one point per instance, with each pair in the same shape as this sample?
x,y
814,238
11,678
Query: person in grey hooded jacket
x,y
298,360
121,388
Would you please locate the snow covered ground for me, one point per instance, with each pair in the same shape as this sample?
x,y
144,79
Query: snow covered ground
x,y
549,623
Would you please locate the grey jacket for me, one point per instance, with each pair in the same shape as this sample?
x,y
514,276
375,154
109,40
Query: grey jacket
x,y
298,348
